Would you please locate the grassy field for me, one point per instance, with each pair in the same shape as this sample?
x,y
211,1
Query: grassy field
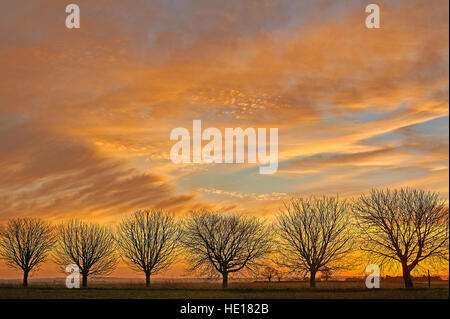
x,y
261,290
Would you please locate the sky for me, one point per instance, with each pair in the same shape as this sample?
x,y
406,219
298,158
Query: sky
x,y
86,114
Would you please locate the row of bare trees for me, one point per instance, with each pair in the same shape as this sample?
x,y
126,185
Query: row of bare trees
x,y
310,235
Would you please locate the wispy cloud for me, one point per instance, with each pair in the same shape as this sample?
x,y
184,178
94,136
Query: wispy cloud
x,y
86,116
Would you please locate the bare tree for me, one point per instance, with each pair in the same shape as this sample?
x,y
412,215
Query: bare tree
x,y
279,275
89,246
405,226
326,273
149,241
225,244
314,233
269,273
25,243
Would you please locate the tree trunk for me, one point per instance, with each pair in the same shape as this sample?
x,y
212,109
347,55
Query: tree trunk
x,y
225,279
312,279
25,278
147,280
85,277
407,276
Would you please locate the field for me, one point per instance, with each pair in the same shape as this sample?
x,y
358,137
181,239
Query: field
x,y
236,290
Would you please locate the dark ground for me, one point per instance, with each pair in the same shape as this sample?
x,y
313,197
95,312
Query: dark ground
x,y
253,290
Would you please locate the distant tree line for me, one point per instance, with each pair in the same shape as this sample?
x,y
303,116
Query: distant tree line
x,y
309,236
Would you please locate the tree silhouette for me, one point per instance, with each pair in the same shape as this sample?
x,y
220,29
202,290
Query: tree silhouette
x,y
326,273
25,243
269,273
149,241
89,246
223,244
406,226
279,275
312,234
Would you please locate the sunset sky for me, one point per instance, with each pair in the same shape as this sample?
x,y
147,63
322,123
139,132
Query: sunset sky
x,y
86,114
